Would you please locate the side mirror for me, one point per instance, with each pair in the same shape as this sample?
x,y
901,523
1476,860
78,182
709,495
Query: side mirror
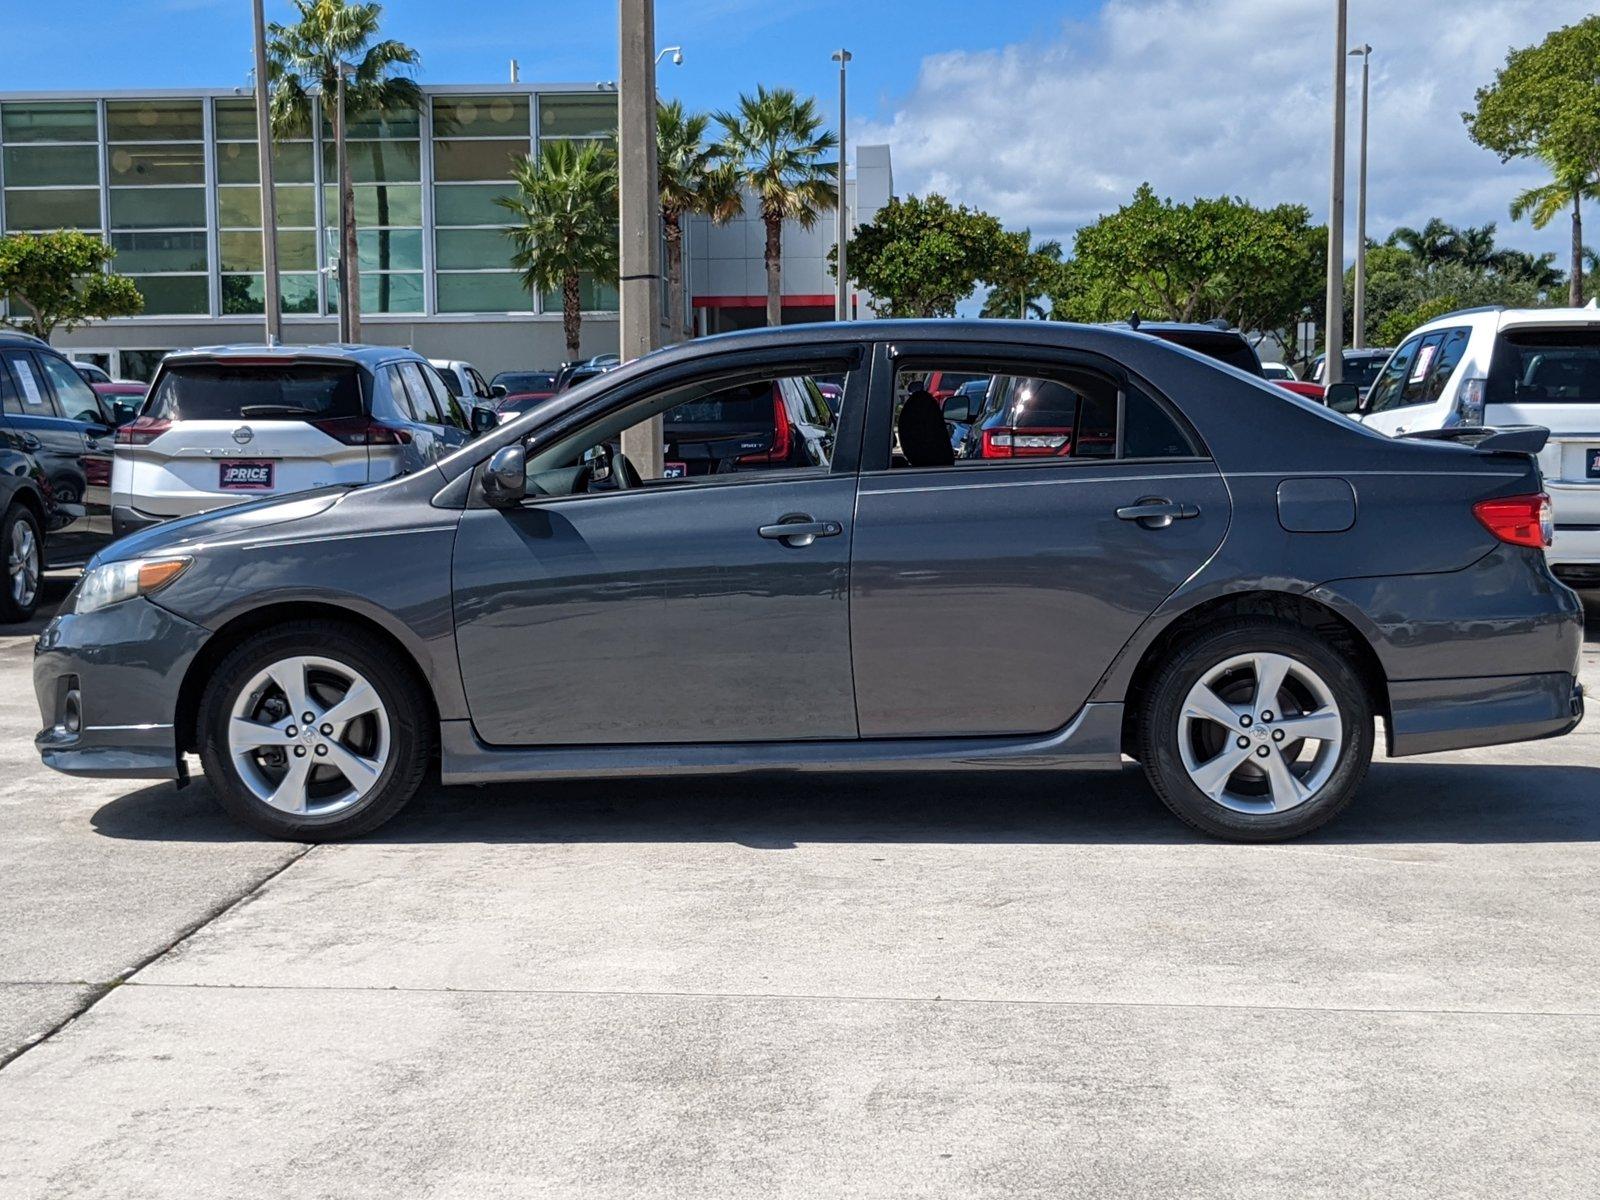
x,y
957,409
122,413
505,478
498,391
482,419
1342,398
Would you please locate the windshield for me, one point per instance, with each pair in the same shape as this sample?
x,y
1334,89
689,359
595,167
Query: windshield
x,y
1546,366
223,391
526,381
1362,371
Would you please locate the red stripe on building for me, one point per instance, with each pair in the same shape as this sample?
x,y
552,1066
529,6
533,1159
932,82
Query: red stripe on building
x,y
824,301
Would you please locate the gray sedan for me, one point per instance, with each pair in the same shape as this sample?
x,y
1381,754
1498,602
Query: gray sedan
x,y
1194,570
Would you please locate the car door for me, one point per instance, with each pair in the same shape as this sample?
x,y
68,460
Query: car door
x,y
411,399
58,445
678,611
451,430
1385,408
76,401
988,596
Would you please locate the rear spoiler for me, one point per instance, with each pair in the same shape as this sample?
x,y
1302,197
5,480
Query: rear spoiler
x,y
1503,439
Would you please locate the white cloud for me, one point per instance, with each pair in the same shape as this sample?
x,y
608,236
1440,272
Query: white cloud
x,y
1203,97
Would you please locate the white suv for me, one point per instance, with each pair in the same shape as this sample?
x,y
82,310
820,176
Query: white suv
x,y
1500,366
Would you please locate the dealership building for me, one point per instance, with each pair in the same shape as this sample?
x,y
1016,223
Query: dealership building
x,y
170,179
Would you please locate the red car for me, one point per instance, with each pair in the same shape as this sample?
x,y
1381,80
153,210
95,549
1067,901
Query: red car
x,y
943,384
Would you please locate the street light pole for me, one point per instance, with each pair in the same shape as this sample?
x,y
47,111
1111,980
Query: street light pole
x,y
1358,335
269,199
1333,317
639,186
842,214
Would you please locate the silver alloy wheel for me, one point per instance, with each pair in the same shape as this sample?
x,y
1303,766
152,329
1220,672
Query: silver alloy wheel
x,y
1260,733
22,559
309,736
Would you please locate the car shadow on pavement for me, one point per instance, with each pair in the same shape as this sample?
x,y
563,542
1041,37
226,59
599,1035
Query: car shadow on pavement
x,y
1400,803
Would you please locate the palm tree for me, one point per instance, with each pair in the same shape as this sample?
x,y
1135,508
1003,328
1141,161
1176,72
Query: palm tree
x,y
776,142
306,57
1034,277
1474,246
1543,204
694,179
1431,245
566,208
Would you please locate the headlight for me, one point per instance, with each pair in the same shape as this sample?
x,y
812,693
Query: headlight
x,y
112,583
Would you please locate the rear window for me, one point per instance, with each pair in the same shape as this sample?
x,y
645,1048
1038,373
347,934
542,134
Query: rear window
x,y
537,381
219,391
1546,366
1225,348
749,405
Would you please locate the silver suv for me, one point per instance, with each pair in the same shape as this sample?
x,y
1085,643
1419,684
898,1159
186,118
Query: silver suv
x,y
225,424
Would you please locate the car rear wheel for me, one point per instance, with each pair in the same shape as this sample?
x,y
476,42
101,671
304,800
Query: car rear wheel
x,y
311,731
1256,731
24,548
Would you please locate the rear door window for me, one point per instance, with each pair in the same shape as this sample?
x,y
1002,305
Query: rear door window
x,y
1452,348
74,397
1416,385
223,391
1546,366
1386,393
32,397
480,389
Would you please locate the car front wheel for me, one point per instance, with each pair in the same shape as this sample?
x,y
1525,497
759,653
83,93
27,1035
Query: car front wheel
x,y
311,731
1256,731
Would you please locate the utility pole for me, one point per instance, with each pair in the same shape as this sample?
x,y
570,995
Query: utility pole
x,y
269,197
640,190
1333,320
346,216
1358,335
841,310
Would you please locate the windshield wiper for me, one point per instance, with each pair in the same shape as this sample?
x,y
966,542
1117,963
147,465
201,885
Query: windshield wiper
x,y
274,410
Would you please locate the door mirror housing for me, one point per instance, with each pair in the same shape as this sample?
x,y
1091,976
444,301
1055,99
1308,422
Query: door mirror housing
x,y
497,390
482,419
122,412
1343,398
505,477
957,409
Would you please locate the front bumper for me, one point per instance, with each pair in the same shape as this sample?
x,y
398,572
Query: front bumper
x,y
1431,715
126,664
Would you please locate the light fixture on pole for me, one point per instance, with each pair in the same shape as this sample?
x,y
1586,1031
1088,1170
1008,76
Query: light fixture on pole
x,y
1333,318
841,306
269,199
1358,332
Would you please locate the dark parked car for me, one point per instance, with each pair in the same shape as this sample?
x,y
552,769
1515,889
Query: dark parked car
x,y
1229,591
769,423
523,383
1214,339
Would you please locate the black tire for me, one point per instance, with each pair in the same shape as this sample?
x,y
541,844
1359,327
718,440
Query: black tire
x,y
411,735
1159,729
12,609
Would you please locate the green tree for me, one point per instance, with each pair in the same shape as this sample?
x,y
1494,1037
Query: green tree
x,y
306,57
776,142
566,210
694,179
1434,243
59,281
1018,287
1404,290
1545,104
921,256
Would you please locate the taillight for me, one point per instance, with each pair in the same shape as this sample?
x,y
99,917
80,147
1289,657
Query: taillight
x,y
1006,442
363,431
1469,401
141,431
1518,520
782,434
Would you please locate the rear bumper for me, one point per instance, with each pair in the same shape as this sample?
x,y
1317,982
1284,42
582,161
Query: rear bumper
x,y
127,663
1575,545
1430,715
125,520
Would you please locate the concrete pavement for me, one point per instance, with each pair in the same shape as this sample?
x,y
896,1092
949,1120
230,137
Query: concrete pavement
x,y
991,987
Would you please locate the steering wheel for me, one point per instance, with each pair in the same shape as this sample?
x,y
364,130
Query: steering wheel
x,y
624,474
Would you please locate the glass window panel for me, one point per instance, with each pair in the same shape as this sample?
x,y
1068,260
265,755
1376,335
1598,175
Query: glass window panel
x,y
592,296
156,163
240,250
398,123
52,210
173,295
235,120
395,204
385,293
486,292
52,166
158,208
577,116
291,162
247,294
138,252
240,207
469,248
153,120
380,249
470,204
377,162
32,121
480,116
475,160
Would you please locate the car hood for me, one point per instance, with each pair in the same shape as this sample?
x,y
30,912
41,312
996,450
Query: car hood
x,y
173,536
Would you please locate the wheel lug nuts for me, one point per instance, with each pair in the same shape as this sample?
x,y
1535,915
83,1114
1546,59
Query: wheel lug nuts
x,y
1245,722
291,732
1243,742
299,751
327,731
321,750
1277,735
309,717
1263,752
1267,716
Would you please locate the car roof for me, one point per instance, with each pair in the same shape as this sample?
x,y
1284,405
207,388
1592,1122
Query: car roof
x,y
15,337
331,351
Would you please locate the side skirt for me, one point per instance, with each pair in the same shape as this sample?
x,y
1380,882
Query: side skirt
x,y
1091,741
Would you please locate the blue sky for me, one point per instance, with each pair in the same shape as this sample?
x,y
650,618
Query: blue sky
x,y
1045,113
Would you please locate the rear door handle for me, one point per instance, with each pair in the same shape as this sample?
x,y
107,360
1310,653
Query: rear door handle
x,y
800,531
1156,513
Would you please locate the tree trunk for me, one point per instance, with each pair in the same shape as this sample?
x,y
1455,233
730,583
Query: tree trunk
x,y
351,299
571,310
774,258
1575,288
672,224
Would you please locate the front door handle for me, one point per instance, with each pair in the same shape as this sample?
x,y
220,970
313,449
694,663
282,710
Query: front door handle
x,y
800,531
1154,512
